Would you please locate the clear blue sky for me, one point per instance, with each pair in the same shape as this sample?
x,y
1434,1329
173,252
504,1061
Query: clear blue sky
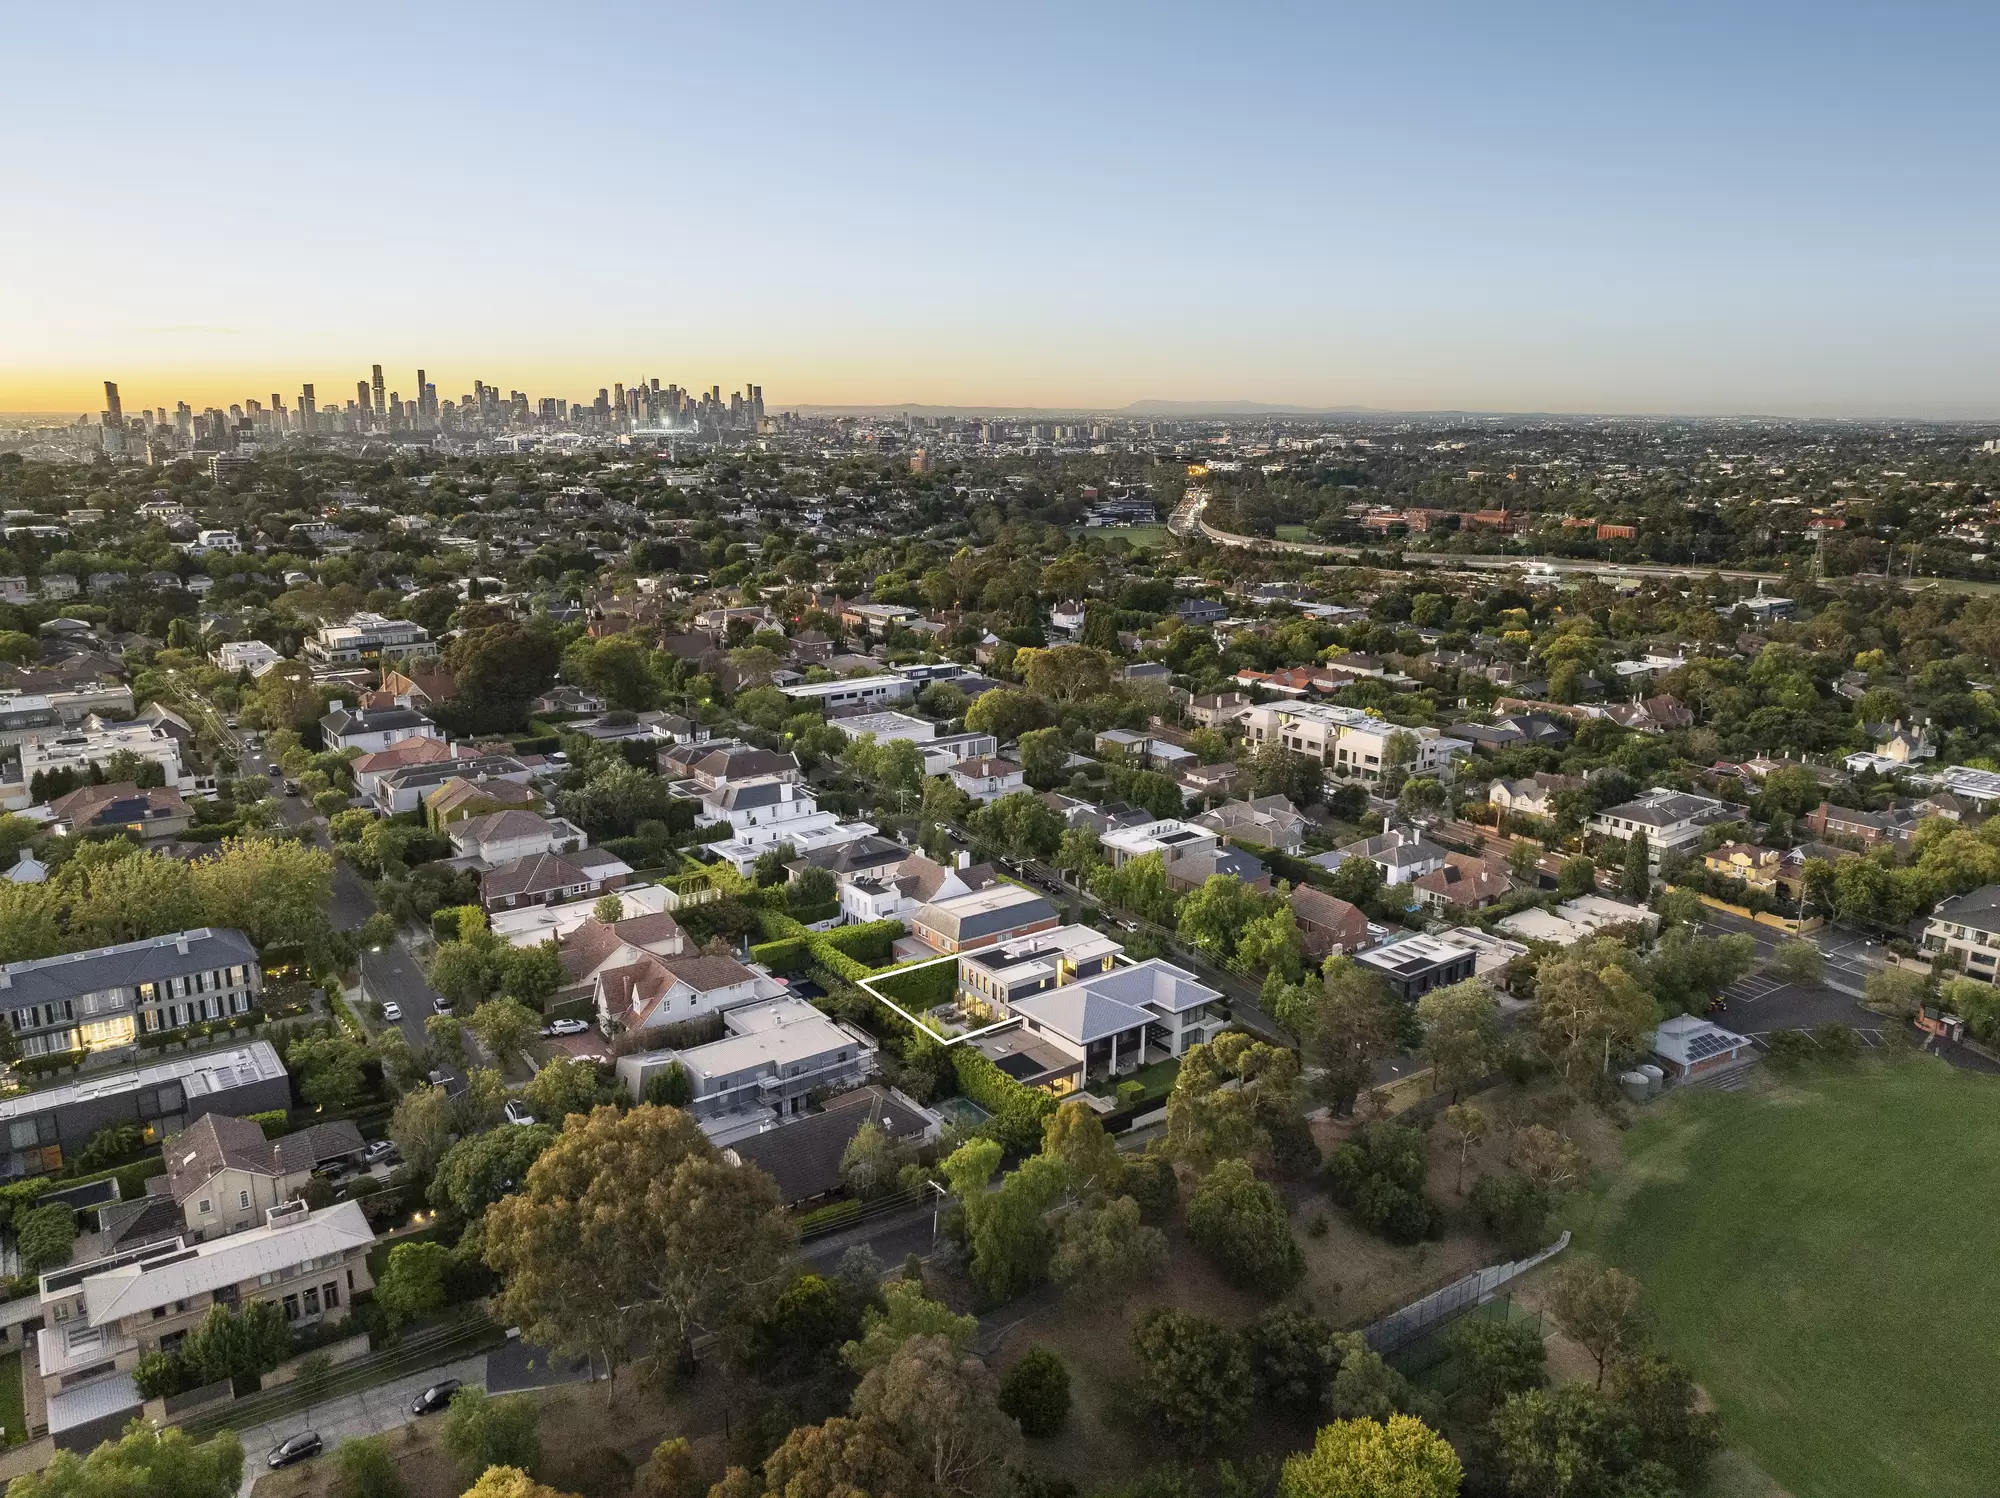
x,y
1611,207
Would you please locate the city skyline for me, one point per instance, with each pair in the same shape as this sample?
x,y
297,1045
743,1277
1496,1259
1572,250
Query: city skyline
x,y
1714,211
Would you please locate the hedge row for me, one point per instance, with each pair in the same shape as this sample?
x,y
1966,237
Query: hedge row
x,y
1019,1113
777,927
788,954
919,988
873,942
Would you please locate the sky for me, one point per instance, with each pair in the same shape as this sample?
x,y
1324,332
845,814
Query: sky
x,y
1784,209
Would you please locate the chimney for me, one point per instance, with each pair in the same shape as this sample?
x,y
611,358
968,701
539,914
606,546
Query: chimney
x,y
963,859
338,706
181,943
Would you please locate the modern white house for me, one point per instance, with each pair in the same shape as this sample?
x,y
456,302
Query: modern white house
x,y
366,635
1403,856
1352,744
373,729
770,811
773,1054
853,691
1170,837
253,656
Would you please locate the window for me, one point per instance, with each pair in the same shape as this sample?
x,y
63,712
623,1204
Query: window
x,y
330,1293
242,1199
312,1300
205,1207
291,1308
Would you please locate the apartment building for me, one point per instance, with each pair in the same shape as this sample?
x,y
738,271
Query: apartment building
x,y
366,636
101,1317
106,997
1968,926
1672,820
1351,744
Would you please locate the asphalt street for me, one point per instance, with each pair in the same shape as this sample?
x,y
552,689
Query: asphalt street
x,y
391,975
369,1412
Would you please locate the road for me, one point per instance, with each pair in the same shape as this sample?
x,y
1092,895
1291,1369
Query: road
x,y
352,904
368,1412
1550,564
391,975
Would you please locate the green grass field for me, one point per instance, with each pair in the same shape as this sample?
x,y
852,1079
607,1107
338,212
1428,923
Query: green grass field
x,y
13,1409
1144,537
1820,1254
1296,533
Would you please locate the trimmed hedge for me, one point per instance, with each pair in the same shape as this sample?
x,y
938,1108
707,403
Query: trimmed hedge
x,y
777,927
872,943
919,988
1019,1113
788,954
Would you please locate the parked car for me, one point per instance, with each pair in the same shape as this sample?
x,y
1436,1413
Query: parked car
x,y
274,770
295,1448
392,1011
332,1170
441,1004
381,1152
439,1078
566,1027
516,1112
435,1398
291,787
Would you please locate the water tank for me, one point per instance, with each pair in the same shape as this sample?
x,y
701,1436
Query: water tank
x,y
1634,1085
1656,1079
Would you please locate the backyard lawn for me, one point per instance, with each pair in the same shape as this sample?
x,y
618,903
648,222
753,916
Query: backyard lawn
x,y
1819,1251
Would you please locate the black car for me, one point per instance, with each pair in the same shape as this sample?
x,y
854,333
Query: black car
x,y
295,1449
435,1398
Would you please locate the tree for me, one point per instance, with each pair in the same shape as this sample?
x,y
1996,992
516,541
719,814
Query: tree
x,y
1799,960
238,1345
1138,885
480,1432
1242,1225
609,910
1066,673
1551,1162
1351,1025
906,1312
566,1085
509,1482
1687,972
1379,1174
840,1458
1194,1376
529,975
504,1027
1076,1136
1006,713
671,1472
1358,881
1105,1249
329,1070
1466,1126
446,1036
156,1464
1403,1458
1513,1210
275,891
1660,1398
1044,757
1364,1386
1233,1097
1601,1309
1278,771
499,669
1020,824
1461,1032
1212,917
363,1468
1273,943
1578,877
1590,1008
1292,1351
1080,853
421,1127
631,1226
1006,1229
1638,881
870,1161
1035,1392
671,1087
413,1282
1497,1358
944,1411
1568,1443
1895,990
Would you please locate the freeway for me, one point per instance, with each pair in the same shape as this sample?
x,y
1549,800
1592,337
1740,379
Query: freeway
x,y
1560,565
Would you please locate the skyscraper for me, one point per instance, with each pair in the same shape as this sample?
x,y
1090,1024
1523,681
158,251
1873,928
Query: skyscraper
x,y
380,408
308,409
114,412
361,401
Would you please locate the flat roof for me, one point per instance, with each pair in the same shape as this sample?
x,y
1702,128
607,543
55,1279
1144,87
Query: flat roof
x,y
845,684
206,1075
777,1032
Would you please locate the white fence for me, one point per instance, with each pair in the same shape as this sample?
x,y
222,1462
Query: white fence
x,y
1400,1328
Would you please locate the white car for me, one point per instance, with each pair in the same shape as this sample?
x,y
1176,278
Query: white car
x,y
441,1004
392,1011
566,1027
516,1112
